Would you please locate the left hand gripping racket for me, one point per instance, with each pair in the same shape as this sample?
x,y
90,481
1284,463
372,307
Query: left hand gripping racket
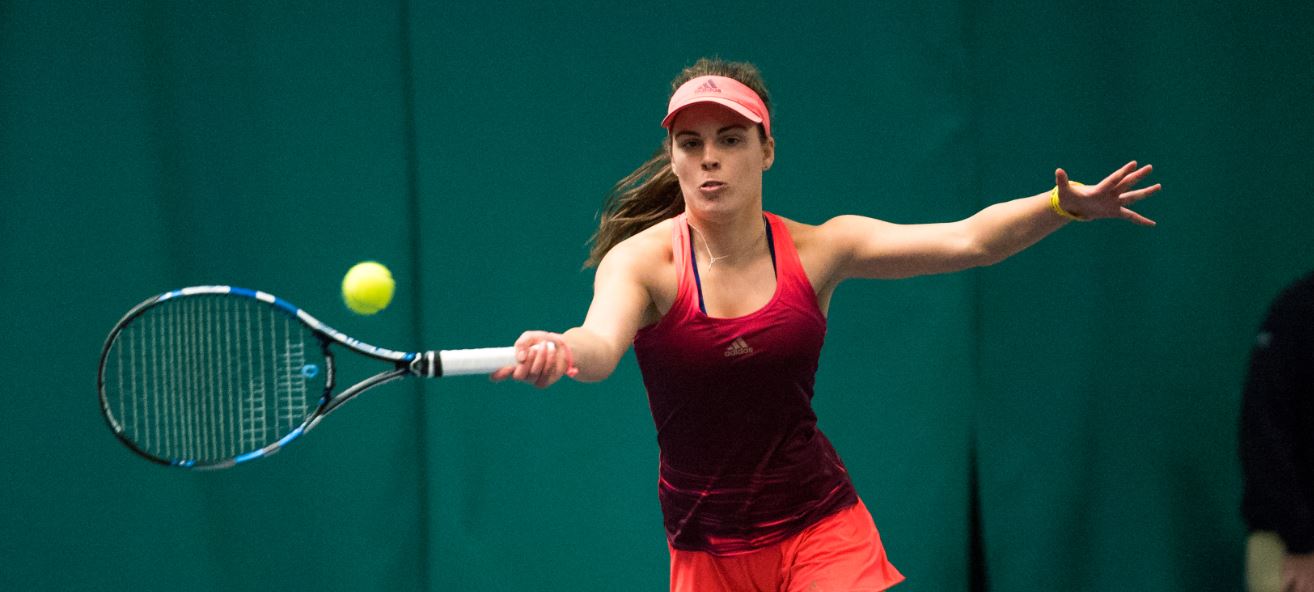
x,y
211,376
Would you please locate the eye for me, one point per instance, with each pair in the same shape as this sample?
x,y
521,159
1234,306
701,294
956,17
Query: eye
x,y
690,143
732,140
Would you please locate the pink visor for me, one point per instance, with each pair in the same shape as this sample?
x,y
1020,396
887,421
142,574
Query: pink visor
x,y
723,91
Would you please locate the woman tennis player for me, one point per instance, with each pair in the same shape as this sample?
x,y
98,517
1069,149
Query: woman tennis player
x,y
726,307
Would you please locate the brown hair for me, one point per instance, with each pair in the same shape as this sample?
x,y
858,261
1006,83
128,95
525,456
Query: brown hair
x,y
651,193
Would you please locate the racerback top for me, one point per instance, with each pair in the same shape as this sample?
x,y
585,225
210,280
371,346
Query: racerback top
x,y
743,464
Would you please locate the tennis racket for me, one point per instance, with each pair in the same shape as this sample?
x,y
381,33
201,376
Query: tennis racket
x,y
211,376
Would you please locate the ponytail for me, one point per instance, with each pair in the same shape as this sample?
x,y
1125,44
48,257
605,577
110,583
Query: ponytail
x,y
643,198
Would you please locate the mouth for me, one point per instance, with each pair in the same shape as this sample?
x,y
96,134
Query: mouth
x,y
712,186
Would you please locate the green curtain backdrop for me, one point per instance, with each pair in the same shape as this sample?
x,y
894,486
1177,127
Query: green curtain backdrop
x,y
146,146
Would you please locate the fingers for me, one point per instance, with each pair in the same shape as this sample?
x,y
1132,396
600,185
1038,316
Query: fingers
x,y
552,370
1111,197
502,374
1116,176
537,362
1132,197
544,364
542,358
1135,218
1128,180
1132,179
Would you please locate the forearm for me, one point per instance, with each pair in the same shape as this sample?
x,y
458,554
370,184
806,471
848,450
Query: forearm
x,y
1005,229
595,357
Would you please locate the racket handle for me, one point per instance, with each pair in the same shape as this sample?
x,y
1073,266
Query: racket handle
x,y
457,362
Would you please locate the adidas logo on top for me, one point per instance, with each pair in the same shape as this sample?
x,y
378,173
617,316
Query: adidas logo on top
x,y
707,87
738,348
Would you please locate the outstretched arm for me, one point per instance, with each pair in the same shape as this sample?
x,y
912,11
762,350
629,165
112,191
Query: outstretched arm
x,y
590,352
869,248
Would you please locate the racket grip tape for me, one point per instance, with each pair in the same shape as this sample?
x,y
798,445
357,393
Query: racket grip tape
x,y
458,362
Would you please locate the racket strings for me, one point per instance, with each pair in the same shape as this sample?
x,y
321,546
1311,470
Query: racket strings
x,y
207,378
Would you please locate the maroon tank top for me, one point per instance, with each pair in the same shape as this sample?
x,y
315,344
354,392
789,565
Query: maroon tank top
x,y
743,464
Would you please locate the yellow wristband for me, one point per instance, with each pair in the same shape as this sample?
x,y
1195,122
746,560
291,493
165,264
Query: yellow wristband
x,y
1054,204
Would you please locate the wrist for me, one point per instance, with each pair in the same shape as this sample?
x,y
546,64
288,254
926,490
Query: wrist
x,y
1057,207
561,341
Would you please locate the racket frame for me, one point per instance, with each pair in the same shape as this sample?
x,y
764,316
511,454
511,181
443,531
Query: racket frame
x,y
426,364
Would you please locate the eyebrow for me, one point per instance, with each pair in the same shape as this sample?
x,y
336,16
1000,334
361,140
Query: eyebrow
x,y
718,132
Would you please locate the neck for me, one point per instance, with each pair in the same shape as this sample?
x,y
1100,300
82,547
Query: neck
x,y
727,241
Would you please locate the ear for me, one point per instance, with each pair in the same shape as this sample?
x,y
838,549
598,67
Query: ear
x,y
768,153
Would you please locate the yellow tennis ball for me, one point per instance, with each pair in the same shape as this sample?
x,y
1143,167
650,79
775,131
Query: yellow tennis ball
x,y
367,287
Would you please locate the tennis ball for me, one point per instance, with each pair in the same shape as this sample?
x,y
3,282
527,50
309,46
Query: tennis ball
x,y
367,287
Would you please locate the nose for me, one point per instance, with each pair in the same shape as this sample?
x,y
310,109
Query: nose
x,y
711,160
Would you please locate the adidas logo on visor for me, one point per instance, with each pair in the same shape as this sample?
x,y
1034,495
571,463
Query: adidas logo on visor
x,y
707,87
738,348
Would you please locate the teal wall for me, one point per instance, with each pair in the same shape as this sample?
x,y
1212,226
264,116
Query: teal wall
x,y
150,145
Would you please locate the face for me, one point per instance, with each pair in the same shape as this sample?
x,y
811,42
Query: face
x,y
719,157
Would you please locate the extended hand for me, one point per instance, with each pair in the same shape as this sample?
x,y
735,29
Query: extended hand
x,y
1109,198
542,358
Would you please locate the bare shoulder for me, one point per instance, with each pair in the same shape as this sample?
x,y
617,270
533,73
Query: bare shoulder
x,y
799,231
820,248
836,228
845,226
645,259
844,234
647,249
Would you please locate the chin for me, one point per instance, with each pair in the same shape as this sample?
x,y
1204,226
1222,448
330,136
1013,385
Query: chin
x,y
716,212
702,204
